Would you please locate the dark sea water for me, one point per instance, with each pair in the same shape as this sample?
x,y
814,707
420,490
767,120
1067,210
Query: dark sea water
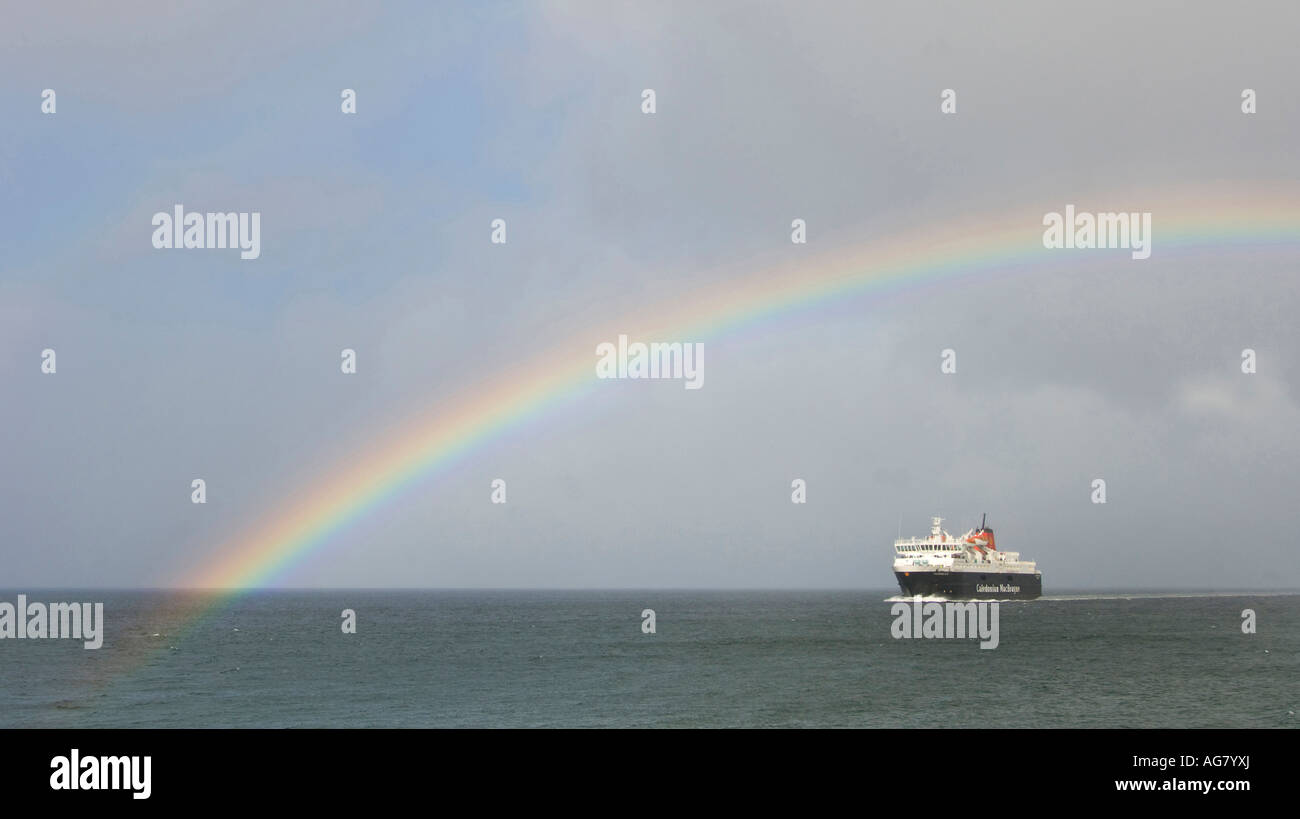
x,y
572,659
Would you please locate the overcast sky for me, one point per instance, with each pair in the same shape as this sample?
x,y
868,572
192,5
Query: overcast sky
x,y
174,365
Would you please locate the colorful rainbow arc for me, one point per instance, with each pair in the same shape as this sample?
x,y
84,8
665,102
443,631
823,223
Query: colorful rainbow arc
x,y
1188,222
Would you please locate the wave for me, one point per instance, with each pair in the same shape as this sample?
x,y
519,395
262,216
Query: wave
x,y
1163,595
1057,598
898,598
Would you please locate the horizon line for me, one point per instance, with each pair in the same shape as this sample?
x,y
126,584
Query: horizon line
x,y
229,589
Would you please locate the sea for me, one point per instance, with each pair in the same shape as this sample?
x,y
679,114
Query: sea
x,y
580,659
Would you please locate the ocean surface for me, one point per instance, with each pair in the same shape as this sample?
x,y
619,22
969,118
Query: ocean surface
x,y
717,659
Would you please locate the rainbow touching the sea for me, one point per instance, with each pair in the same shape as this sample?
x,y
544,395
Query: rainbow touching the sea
x,y
1193,221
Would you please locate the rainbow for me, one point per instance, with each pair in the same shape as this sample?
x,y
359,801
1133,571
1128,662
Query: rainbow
x,y
1187,221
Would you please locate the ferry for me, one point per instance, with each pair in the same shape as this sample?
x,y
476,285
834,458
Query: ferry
x,y
968,567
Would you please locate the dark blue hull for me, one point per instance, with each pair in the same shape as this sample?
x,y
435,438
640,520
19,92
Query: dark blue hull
x,y
971,585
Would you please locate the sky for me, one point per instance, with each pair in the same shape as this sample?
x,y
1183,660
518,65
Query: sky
x,y
181,364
